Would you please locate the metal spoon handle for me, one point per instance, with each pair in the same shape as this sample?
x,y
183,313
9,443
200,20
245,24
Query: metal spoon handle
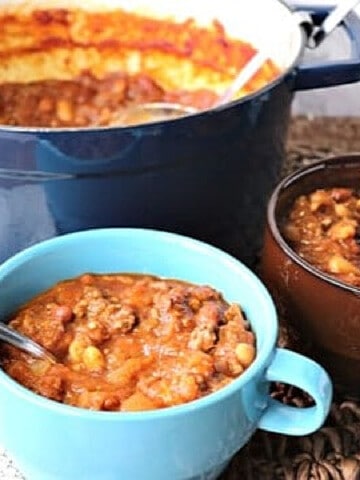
x,y
15,338
337,15
245,74
32,176
334,19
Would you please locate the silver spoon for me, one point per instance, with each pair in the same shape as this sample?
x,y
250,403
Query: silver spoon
x,y
153,111
334,19
17,339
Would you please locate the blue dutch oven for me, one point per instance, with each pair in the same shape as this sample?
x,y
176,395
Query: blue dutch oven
x,y
207,175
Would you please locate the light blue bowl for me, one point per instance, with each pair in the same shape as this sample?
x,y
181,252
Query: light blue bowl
x,y
51,441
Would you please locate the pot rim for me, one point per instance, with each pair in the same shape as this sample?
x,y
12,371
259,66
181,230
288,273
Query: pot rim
x,y
334,162
205,113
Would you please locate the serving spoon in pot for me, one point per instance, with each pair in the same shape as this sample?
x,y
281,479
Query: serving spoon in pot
x,y
153,111
24,343
156,111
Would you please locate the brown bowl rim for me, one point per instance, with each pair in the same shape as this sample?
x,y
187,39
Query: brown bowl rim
x,y
334,162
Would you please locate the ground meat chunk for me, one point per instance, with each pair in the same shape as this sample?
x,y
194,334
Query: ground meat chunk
x,y
231,334
98,400
202,338
210,315
42,324
208,319
173,390
119,318
173,310
47,382
104,315
51,386
226,361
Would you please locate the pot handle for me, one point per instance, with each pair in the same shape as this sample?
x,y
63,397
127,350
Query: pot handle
x,y
295,369
331,73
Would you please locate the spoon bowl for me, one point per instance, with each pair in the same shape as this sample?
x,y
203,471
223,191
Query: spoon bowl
x,y
152,112
156,111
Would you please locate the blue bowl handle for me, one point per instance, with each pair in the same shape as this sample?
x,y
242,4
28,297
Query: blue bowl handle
x,y
295,369
332,73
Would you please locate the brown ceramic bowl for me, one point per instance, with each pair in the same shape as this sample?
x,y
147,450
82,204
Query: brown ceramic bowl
x,y
323,311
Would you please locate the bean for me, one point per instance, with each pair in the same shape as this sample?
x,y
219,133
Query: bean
x,y
341,210
137,402
339,264
93,359
111,403
46,105
63,313
64,110
245,353
76,349
319,199
343,230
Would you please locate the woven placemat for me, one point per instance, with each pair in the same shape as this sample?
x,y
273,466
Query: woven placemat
x,y
333,452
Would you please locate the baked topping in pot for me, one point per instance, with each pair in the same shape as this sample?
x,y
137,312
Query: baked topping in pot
x,y
73,68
